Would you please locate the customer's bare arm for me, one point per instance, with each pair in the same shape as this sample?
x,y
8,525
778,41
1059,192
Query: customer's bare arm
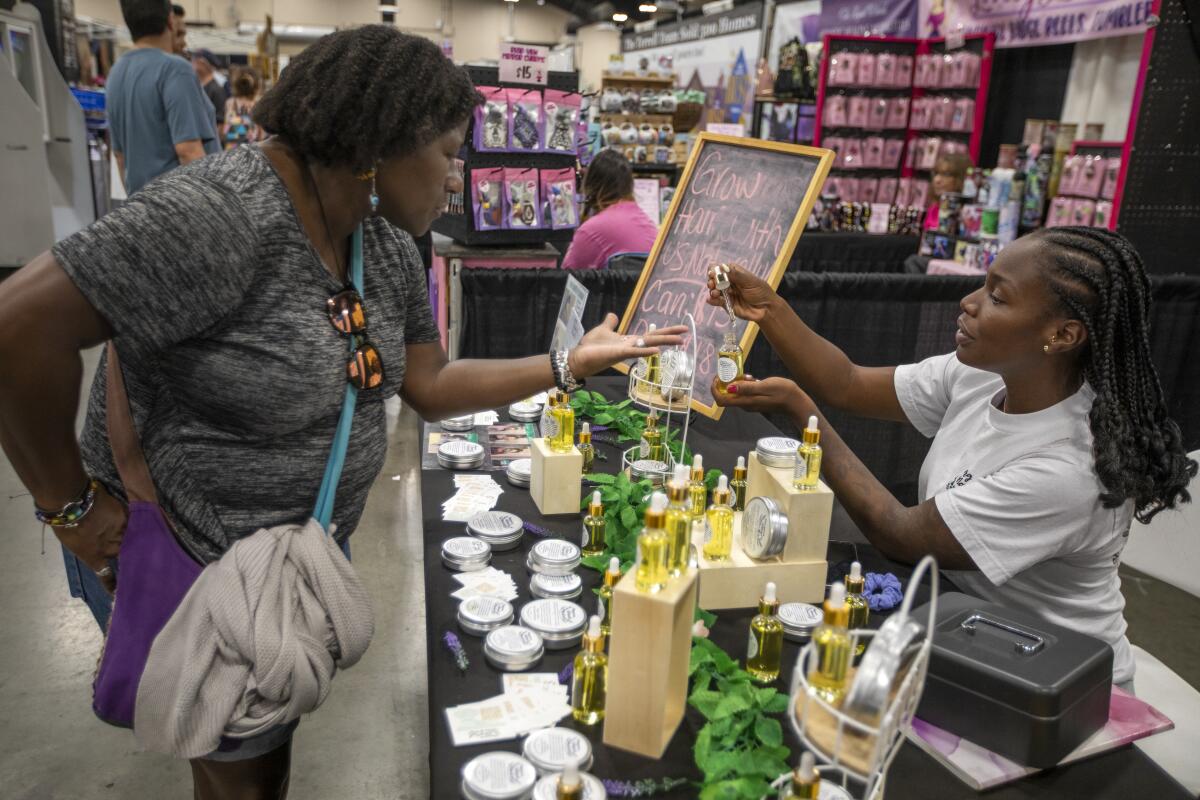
x,y
189,151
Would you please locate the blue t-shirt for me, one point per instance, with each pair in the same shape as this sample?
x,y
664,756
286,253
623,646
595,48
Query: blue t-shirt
x,y
154,103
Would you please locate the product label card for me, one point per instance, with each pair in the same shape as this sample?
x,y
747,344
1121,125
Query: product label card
x,y
524,63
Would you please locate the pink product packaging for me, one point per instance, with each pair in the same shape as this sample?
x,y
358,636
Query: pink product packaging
x,y
867,188
561,119
877,116
929,71
942,113
1091,177
525,120
1082,211
834,143
521,206
1072,167
859,112
903,192
1103,214
848,190
910,158
897,113
831,186
919,196
954,70
558,192
487,198
964,115
842,69
873,152
1112,171
865,69
885,69
970,219
904,71
893,149
1060,212
974,62
921,108
852,157
491,119
886,191
929,152
835,111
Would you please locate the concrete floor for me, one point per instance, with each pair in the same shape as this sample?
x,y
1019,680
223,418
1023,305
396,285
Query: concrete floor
x,y
368,741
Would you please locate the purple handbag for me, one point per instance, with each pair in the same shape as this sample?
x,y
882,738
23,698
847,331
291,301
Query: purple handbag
x,y
156,572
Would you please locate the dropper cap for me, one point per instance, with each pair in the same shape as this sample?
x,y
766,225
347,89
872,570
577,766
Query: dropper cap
x,y
805,779
569,782
596,506
855,581
681,474
593,638
769,592
613,573
585,433
740,470
698,465
656,512
812,434
769,603
721,493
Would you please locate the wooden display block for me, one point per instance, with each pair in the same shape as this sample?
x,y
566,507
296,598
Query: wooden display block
x,y
809,513
555,479
739,582
648,664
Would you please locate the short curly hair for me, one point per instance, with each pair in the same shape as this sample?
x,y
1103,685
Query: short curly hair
x,y
359,95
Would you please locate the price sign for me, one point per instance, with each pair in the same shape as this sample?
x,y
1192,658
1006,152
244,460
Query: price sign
x,y
523,63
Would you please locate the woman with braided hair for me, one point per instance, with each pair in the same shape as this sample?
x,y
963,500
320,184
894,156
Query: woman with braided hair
x,y
226,289
1050,432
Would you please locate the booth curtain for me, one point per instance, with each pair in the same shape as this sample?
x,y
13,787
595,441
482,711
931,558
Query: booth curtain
x,y
1104,74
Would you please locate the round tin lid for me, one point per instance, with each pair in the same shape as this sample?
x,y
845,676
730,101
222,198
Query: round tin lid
x,y
466,553
463,423
554,618
554,556
547,787
460,454
800,618
520,470
764,528
513,646
648,468
495,525
831,791
498,776
525,411
564,587
550,749
485,612
777,451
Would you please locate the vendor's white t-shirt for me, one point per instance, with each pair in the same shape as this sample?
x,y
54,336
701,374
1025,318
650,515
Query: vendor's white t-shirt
x,y
1021,495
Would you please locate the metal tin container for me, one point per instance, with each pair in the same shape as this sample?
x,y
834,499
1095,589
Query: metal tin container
x,y
547,788
563,587
550,749
513,648
499,529
764,528
554,557
799,620
646,469
892,649
466,553
460,454
525,411
459,424
498,776
480,615
777,451
520,472
559,622
676,369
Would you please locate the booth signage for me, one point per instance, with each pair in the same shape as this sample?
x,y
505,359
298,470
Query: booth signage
x,y
740,20
524,63
869,17
1021,23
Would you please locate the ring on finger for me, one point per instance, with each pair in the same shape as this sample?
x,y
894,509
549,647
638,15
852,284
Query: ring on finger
x,y
641,342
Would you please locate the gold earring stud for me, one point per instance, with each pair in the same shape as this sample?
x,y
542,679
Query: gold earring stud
x,y
366,175
1046,348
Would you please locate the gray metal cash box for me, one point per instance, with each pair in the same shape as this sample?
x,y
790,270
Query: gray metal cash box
x,y
1009,681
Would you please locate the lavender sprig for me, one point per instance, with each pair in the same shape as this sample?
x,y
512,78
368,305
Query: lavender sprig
x,y
456,649
647,787
599,428
567,673
538,530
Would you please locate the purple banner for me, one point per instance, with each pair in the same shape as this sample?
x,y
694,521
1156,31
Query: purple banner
x,y
1025,23
869,17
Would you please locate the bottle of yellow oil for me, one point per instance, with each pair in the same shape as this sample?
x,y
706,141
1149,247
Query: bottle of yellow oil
x,y
860,609
720,523
765,652
808,458
730,363
651,444
604,604
806,781
586,448
594,527
589,684
564,418
827,680
653,548
678,520
738,485
653,366
697,491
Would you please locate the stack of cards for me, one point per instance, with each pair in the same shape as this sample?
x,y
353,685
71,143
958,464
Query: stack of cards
x,y
486,418
509,441
530,701
486,582
475,493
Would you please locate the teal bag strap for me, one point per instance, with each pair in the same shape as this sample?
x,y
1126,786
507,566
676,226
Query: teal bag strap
x,y
323,513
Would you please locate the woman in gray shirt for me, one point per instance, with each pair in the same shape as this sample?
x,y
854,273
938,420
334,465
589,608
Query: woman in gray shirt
x,y
214,284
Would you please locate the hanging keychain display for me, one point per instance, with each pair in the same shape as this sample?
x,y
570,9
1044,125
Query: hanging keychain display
x,y
521,198
486,197
491,119
525,119
558,190
561,114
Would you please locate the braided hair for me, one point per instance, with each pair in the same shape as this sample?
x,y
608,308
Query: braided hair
x,y
359,95
1099,279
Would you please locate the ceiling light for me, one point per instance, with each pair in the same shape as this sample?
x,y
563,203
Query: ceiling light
x,y
647,8
619,17
388,8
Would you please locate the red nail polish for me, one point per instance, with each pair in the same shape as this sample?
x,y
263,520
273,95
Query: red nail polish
x,y
733,388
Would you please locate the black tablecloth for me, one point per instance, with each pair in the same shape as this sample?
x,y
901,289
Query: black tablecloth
x,y
1122,773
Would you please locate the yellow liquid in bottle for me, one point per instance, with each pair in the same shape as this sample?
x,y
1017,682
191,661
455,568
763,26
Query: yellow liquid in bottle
x,y
828,680
589,456
730,367
738,488
589,687
698,495
594,535
808,467
604,609
765,653
651,445
564,436
860,613
653,551
720,543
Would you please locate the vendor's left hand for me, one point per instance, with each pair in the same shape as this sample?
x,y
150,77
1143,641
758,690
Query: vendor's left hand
x,y
770,395
602,346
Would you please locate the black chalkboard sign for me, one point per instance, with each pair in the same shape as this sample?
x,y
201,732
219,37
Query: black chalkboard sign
x,y
739,201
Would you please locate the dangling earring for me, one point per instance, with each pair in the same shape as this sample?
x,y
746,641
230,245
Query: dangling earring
x,y
1046,347
369,175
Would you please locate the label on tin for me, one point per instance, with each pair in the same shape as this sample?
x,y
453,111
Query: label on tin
x,y
556,616
800,615
500,773
555,551
558,584
647,466
485,609
522,467
756,528
514,639
465,547
752,647
777,445
555,747
726,369
495,523
460,448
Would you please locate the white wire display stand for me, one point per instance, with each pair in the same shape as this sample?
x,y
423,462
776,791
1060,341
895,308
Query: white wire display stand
x,y
668,398
853,753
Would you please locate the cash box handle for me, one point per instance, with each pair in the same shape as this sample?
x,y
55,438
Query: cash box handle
x,y
1028,648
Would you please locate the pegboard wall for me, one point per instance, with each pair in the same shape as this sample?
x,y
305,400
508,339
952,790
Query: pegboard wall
x,y
1160,201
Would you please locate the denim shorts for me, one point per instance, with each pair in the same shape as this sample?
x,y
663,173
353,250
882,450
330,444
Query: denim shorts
x,y
85,584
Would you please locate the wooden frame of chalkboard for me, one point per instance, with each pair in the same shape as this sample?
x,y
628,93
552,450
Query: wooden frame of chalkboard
x,y
724,212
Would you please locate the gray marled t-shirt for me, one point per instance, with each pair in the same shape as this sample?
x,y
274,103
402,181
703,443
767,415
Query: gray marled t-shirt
x,y
235,375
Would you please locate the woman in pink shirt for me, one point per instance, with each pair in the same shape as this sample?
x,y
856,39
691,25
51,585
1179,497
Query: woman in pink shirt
x,y
613,223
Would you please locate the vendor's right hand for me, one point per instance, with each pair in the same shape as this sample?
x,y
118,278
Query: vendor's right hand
x,y
97,537
751,296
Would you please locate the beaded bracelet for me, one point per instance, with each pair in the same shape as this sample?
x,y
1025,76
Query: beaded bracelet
x,y
72,513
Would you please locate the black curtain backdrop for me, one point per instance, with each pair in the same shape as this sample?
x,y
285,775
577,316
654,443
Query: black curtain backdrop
x,y
877,319
1027,83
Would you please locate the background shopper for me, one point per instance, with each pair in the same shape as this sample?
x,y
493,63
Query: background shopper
x,y
613,222
240,127
205,65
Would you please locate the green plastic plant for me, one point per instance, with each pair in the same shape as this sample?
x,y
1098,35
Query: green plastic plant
x,y
625,419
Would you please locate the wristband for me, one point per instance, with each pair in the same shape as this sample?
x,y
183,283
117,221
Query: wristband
x,y
563,378
73,512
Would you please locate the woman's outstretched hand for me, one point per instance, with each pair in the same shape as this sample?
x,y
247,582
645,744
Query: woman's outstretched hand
x,y
602,346
751,296
778,395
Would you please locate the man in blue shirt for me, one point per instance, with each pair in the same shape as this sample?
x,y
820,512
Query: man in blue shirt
x,y
158,115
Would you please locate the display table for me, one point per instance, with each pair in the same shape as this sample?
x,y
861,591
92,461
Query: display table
x,y
1125,772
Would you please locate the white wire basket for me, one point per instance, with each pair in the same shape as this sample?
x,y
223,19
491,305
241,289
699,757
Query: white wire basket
x,y
670,398
856,753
